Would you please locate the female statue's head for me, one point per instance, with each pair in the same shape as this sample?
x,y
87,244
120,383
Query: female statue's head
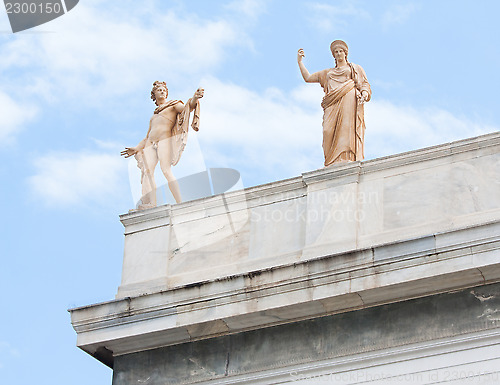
x,y
159,87
338,48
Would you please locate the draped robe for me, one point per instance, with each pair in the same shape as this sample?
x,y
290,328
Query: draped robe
x,y
343,116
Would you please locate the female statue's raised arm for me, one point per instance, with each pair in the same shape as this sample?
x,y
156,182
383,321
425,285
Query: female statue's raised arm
x,y
314,78
303,70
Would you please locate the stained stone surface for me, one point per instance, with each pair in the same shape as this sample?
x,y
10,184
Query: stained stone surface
x,y
316,287
424,319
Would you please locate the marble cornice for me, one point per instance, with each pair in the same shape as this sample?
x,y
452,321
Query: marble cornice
x,y
432,153
322,286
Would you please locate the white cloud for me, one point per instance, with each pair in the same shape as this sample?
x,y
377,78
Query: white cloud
x,y
14,116
249,8
69,179
336,18
393,129
98,52
398,14
102,55
270,132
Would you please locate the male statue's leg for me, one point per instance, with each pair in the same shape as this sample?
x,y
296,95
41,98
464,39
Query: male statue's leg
x,y
150,159
165,157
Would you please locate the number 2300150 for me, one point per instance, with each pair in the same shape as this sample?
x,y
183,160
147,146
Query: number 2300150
x,y
33,8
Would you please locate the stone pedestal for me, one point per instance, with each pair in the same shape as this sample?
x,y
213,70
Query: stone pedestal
x,y
339,271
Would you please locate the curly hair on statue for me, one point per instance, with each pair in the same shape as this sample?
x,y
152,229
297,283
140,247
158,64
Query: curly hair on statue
x,y
157,84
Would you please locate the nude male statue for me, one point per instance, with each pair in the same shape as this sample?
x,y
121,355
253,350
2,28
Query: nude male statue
x,y
164,142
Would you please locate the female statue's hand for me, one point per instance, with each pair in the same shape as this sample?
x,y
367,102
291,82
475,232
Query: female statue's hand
x,y
300,55
362,97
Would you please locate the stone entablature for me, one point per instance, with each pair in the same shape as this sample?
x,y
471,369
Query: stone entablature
x,y
319,287
213,267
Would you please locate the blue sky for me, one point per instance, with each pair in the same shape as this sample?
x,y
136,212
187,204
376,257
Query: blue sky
x,y
75,91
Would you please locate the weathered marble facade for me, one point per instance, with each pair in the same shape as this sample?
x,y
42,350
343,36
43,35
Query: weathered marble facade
x,y
386,267
286,353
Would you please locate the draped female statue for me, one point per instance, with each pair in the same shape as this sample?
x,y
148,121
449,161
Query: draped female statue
x,y
346,90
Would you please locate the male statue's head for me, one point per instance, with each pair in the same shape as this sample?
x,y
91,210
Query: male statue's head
x,y
339,48
159,90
